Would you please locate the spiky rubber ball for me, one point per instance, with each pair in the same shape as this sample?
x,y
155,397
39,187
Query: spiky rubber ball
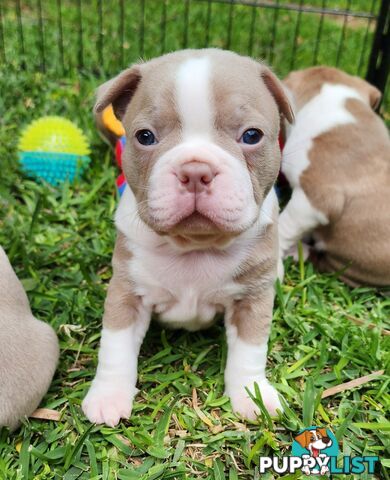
x,y
54,149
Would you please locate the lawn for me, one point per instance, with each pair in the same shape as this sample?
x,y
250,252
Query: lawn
x,y
60,242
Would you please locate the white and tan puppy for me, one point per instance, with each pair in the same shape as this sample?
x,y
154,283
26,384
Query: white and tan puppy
x,y
28,351
337,160
197,223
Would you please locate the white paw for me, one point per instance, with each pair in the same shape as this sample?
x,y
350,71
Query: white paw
x,y
294,252
305,252
245,406
280,269
284,247
108,404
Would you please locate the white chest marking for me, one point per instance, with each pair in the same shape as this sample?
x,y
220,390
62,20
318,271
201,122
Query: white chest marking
x,y
324,112
185,289
193,97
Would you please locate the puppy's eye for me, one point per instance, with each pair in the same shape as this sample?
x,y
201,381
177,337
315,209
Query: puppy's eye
x,y
146,137
251,136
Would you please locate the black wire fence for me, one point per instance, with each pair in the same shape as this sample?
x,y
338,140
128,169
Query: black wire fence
x,y
67,37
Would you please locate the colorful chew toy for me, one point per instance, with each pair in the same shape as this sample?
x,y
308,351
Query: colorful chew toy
x,y
121,180
54,149
113,125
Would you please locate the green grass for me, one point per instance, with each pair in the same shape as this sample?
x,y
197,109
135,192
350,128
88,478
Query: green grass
x,y
150,27
150,20
60,242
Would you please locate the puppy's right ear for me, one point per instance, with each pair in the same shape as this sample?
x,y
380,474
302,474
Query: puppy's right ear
x,y
277,90
118,91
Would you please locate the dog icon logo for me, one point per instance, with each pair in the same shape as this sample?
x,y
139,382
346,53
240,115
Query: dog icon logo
x,y
315,446
315,451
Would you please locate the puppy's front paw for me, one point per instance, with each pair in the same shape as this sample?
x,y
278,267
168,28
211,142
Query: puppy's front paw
x,y
107,404
293,252
280,269
284,247
245,406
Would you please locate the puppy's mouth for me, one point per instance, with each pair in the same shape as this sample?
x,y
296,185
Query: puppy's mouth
x,y
198,230
196,225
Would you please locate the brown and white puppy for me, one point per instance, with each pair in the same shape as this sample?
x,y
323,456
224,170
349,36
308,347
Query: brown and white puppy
x,y
28,351
337,160
197,222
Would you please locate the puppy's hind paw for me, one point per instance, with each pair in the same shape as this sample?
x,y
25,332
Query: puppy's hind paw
x,y
280,270
107,405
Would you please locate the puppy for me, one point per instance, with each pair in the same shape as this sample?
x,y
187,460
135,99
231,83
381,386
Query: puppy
x,y
337,160
197,222
28,351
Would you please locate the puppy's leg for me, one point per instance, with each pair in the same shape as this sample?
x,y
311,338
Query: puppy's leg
x,y
247,331
298,218
125,323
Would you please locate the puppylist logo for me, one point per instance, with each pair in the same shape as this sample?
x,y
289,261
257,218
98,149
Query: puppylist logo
x,y
314,452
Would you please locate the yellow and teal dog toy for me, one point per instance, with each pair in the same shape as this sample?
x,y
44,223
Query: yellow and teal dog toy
x,y
54,149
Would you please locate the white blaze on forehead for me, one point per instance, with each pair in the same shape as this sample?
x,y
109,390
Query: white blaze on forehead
x,y
193,97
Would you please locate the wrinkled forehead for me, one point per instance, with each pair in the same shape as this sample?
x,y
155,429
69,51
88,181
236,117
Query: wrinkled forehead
x,y
200,92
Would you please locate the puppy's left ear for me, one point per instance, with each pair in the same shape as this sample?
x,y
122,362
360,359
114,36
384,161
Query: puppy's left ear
x,y
118,91
276,89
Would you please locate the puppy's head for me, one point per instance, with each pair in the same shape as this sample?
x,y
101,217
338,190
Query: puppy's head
x,y
202,141
304,84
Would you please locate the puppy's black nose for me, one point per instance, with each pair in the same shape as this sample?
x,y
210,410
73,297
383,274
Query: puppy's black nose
x,y
326,440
